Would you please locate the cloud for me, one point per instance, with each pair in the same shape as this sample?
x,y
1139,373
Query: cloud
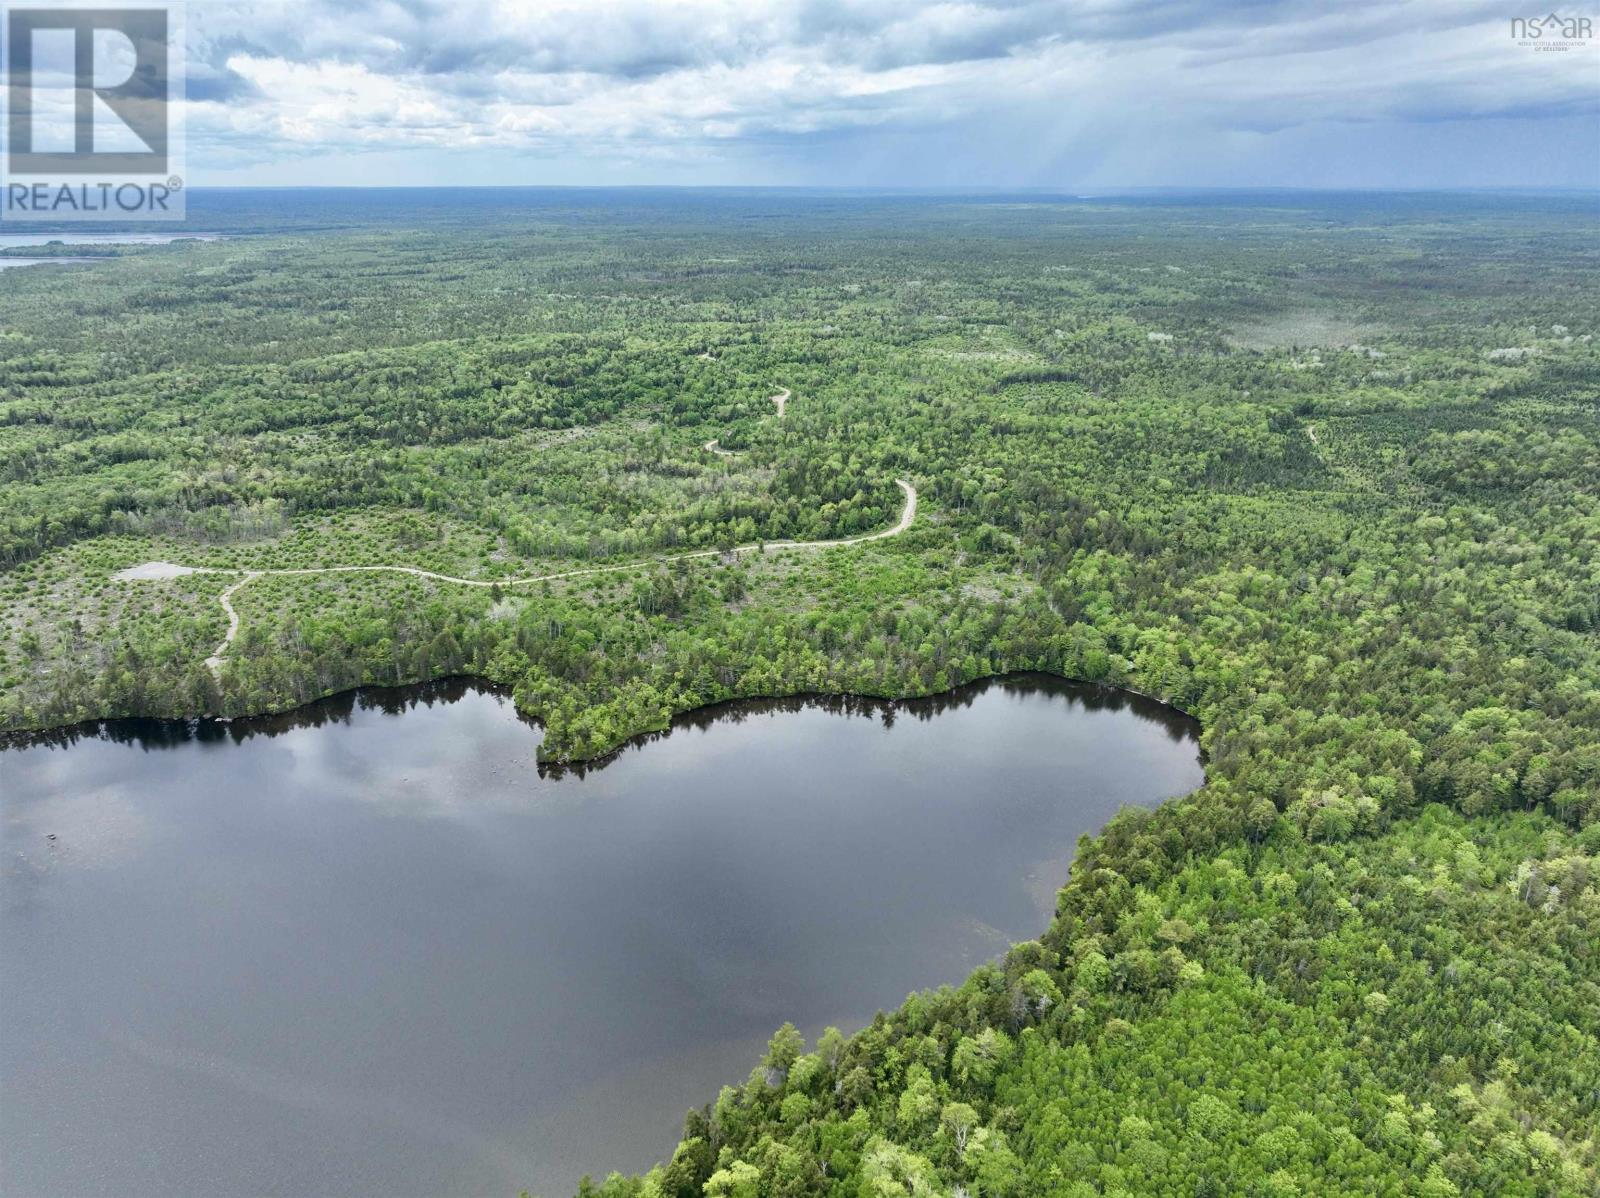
x,y
741,80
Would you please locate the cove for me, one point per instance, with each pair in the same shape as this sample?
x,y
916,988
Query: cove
x,y
368,948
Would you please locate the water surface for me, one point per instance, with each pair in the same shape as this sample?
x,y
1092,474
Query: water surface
x,y
369,949
12,241
9,263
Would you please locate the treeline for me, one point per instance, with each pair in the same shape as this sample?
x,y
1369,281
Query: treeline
x,y
1220,1007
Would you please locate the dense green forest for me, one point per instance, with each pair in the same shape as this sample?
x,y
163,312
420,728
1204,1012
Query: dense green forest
x,y
1323,471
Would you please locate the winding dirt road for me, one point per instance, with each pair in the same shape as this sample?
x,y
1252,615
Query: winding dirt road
x,y
149,571
712,446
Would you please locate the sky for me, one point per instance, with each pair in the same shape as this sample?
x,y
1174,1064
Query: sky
x,y
1057,94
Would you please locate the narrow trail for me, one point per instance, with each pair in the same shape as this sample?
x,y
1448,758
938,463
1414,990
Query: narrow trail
x,y
155,571
214,662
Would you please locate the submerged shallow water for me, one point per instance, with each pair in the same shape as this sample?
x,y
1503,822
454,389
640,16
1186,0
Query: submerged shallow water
x,y
367,948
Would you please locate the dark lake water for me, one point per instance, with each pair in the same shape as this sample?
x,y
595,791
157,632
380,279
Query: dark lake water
x,y
368,949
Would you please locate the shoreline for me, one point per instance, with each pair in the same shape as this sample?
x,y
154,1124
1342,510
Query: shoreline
x,y
276,721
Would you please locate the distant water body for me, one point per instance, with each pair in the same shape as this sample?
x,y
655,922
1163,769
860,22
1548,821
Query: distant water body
x,y
18,241
368,949
12,263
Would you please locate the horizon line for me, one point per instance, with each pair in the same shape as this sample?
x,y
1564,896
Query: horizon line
x,y
1085,192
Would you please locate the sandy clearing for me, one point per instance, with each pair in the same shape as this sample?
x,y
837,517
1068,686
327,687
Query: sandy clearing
x,y
155,571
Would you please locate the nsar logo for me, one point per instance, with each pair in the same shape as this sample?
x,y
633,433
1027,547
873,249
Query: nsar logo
x,y
1552,32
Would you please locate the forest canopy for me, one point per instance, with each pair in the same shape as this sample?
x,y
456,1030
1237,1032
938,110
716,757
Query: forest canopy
x,y
1322,471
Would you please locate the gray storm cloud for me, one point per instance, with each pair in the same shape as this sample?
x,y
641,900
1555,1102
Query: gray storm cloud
x,y
693,80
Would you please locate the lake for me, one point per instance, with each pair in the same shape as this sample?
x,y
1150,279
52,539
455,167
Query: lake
x,y
8,263
367,948
14,241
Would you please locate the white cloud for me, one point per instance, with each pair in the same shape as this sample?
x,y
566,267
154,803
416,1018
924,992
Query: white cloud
x,y
737,78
